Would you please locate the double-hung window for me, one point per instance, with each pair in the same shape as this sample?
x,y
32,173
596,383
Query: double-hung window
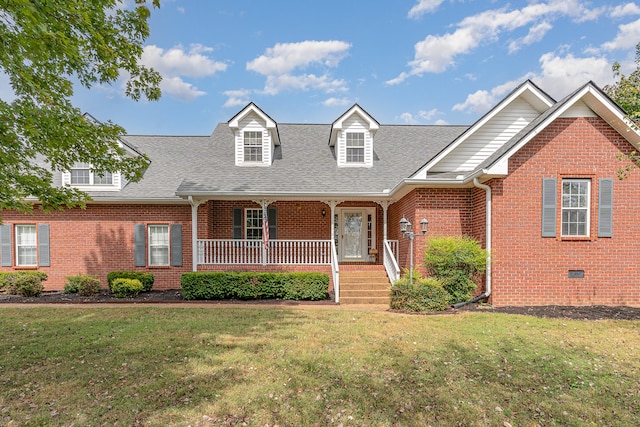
x,y
253,224
355,147
82,174
575,207
158,245
26,245
252,146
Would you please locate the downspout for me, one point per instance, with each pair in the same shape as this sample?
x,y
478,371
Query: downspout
x,y
487,291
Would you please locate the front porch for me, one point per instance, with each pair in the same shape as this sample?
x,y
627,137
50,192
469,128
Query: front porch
x,y
295,255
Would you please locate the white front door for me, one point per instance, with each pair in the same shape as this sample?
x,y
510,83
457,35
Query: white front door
x,y
354,230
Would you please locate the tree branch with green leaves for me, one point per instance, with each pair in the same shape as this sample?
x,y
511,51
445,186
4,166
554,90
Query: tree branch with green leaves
x,y
46,46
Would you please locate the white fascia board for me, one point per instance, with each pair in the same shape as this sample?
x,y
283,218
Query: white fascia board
x,y
527,91
282,196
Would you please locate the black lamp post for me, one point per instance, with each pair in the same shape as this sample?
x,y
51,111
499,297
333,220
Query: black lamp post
x,y
405,227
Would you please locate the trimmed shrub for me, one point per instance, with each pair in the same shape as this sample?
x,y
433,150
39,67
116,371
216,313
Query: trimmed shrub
x,y
424,295
122,288
81,284
246,286
145,278
7,279
456,261
27,285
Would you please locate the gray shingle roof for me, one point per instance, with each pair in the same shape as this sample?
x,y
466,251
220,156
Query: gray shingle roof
x,y
304,163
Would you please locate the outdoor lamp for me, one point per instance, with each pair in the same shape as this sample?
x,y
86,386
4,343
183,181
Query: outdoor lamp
x,y
405,225
423,225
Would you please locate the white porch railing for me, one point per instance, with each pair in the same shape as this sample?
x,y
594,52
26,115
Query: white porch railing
x,y
335,270
235,251
390,259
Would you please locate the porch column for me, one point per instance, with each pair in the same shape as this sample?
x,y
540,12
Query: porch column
x,y
264,204
385,207
332,204
194,231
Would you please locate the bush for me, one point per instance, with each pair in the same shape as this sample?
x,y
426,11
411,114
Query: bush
x,y
122,288
8,279
456,261
27,285
425,294
246,286
145,278
83,285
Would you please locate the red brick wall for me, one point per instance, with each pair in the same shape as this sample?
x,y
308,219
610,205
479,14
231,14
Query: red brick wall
x,y
99,239
448,210
531,270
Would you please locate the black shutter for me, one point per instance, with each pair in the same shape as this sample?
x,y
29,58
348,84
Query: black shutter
x,y
44,259
605,207
272,215
5,241
237,223
549,190
139,247
176,245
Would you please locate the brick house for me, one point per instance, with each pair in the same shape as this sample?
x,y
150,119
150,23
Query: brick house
x,y
534,180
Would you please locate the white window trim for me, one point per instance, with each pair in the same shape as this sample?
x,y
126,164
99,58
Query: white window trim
x,y
18,245
587,208
252,146
92,186
246,228
358,147
150,245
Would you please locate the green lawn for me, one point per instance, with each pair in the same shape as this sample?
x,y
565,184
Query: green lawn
x,y
312,366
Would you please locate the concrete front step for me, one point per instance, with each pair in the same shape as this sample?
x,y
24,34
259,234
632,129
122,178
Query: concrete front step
x,y
365,287
365,300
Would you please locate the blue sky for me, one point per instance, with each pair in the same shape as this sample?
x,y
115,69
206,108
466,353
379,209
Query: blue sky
x,y
404,61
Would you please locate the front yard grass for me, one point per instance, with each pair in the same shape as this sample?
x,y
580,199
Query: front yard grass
x,y
313,366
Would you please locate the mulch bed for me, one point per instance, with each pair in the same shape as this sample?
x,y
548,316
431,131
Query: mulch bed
x,y
597,312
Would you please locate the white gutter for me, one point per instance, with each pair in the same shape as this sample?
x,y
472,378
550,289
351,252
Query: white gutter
x,y
487,291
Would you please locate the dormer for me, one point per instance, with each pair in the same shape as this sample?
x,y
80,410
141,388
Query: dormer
x,y
352,136
255,136
83,177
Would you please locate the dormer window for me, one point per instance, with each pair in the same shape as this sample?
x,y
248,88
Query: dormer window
x,y
355,147
255,137
352,136
252,146
81,174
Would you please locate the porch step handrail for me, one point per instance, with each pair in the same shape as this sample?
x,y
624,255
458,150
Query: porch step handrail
x,y
335,271
390,260
279,251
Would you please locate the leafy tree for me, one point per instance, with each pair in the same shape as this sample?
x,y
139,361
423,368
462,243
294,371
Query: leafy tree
x,y
626,93
46,46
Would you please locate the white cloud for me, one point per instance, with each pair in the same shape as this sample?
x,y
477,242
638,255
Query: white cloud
x,y
424,6
628,9
179,62
627,37
482,100
536,33
423,115
237,97
283,63
285,57
436,53
558,76
336,102
180,89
